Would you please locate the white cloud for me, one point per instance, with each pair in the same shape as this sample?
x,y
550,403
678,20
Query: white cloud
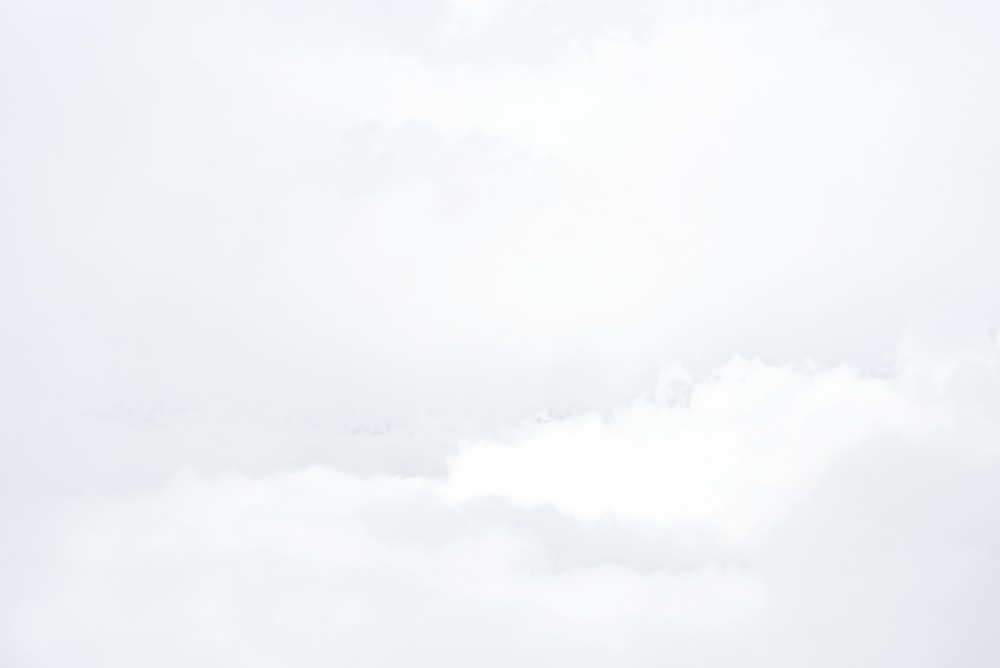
x,y
743,447
283,283
781,514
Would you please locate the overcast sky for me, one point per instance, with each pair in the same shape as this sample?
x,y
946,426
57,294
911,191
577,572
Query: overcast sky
x,y
454,333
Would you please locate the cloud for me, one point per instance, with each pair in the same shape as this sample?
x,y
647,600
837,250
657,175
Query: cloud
x,y
782,514
331,332
246,200
743,445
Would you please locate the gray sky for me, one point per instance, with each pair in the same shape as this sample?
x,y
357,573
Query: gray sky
x,y
463,332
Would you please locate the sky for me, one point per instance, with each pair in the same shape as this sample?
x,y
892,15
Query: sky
x,y
499,332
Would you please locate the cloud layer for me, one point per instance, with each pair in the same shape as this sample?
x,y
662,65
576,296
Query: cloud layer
x,y
463,332
771,515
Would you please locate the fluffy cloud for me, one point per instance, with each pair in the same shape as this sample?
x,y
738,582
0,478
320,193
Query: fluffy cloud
x,y
742,445
772,514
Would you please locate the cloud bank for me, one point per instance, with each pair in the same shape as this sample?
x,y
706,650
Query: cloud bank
x,y
767,515
453,332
